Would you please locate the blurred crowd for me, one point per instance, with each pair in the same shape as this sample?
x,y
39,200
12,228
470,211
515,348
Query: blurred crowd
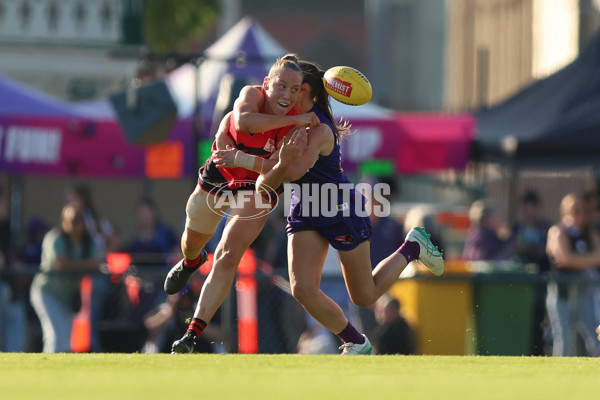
x,y
95,291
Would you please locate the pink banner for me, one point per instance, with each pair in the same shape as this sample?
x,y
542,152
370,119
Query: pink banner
x,y
67,147
434,142
63,147
416,143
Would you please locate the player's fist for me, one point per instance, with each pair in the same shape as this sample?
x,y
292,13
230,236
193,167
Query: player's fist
x,y
308,120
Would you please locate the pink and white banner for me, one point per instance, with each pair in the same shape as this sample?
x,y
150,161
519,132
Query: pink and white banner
x,y
51,146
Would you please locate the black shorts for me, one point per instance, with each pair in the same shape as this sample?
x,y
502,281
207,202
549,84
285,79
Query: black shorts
x,y
212,181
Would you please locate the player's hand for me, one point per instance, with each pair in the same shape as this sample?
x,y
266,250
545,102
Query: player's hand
x,y
222,137
293,146
224,141
308,120
224,158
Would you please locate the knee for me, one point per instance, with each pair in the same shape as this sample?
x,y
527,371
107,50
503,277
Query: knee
x,y
362,299
226,260
303,292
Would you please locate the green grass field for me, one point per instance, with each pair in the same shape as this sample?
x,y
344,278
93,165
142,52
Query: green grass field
x,y
235,376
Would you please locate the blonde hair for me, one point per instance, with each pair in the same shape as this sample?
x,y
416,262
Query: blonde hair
x,y
568,203
290,61
480,211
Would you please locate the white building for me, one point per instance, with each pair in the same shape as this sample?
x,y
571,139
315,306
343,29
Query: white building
x,y
72,49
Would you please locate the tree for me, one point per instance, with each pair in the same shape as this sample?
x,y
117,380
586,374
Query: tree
x,y
169,25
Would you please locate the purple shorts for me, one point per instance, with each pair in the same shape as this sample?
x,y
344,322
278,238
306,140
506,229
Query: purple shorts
x,y
344,235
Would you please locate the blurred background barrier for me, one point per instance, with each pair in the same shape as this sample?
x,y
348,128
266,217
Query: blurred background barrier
x,y
484,308
475,308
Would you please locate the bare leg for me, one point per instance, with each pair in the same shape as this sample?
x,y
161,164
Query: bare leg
x,y
237,237
200,224
306,256
193,242
364,285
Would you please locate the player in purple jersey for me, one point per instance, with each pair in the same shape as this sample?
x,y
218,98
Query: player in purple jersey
x,y
346,229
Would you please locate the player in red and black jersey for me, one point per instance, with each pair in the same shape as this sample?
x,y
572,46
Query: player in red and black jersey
x,y
262,144
261,116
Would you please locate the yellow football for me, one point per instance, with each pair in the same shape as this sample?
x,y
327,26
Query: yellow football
x,y
347,85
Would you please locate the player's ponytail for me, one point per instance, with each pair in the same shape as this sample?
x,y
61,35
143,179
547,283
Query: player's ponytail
x,y
293,57
290,61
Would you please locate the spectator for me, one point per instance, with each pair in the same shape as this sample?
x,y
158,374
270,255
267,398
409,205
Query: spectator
x,y
106,239
487,237
574,251
592,198
151,248
153,243
530,231
100,228
13,287
68,252
393,335
30,254
31,251
529,235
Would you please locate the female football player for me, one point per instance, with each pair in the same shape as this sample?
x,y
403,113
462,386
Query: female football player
x,y
310,233
261,117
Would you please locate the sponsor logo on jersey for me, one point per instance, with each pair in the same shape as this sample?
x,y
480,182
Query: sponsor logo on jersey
x,y
270,146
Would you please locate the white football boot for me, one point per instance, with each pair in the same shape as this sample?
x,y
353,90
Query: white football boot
x,y
357,349
429,255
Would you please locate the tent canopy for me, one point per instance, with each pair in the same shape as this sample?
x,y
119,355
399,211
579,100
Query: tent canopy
x,y
245,52
18,100
555,119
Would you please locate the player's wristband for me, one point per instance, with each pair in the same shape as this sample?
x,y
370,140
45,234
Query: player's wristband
x,y
248,161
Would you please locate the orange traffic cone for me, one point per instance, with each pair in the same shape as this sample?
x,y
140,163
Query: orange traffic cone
x,y
81,334
246,304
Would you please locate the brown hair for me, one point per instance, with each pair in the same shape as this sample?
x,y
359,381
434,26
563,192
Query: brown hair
x,y
313,76
86,237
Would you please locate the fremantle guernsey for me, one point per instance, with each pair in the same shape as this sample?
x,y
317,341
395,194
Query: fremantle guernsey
x,y
347,229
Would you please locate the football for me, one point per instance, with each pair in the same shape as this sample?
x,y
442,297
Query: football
x,y
347,85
